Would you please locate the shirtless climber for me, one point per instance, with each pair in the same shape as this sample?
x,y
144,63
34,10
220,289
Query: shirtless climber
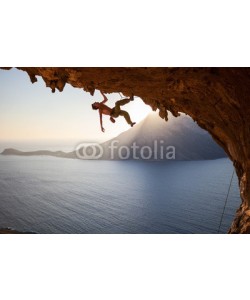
x,y
114,112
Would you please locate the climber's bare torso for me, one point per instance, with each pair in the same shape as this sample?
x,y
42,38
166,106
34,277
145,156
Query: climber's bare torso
x,y
104,109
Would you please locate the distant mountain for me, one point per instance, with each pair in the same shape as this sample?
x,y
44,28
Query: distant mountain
x,y
152,139
11,151
189,140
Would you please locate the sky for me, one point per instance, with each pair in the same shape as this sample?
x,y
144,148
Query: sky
x,y
32,112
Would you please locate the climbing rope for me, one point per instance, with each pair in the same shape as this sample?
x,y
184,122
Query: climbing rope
x,y
226,202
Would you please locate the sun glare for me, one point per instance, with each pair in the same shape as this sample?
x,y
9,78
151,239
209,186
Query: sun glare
x,y
138,109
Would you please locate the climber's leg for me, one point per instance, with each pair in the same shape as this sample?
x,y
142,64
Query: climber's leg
x,y
127,117
121,102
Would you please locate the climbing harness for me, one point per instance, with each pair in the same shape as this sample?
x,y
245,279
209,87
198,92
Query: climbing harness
x,y
226,201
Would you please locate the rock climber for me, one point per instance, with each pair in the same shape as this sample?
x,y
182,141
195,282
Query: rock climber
x,y
114,112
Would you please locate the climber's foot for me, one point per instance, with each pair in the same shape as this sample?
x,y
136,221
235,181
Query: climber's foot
x,y
131,97
133,124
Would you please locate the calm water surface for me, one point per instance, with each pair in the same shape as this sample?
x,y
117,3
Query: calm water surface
x,y
54,195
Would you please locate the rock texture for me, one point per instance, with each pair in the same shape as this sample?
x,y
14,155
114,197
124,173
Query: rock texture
x,y
216,98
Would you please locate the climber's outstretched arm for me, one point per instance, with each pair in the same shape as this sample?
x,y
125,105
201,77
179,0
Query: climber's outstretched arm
x,y
100,113
105,99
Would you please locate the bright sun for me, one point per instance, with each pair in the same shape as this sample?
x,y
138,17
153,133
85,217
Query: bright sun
x,y
138,109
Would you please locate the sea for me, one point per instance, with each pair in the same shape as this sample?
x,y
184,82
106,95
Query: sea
x,y
42,194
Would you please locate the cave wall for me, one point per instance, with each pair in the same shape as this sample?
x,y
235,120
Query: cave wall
x,y
216,98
